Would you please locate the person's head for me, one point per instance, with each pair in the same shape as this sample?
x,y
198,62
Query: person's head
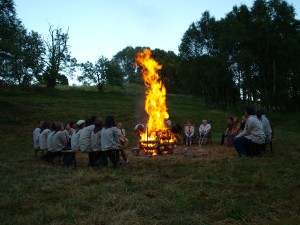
x,y
59,126
90,121
99,123
67,126
235,120
40,123
258,113
120,126
45,125
249,111
109,122
53,126
188,123
229,120
243,119
72,124
204,122
80,124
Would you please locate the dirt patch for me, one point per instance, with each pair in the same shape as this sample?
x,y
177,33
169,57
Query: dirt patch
x,y
209,151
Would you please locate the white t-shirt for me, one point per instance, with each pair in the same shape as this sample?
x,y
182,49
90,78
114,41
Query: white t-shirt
x,y
36,134
49,141
85,138
58,141
75,140
43,139
96,141
204,128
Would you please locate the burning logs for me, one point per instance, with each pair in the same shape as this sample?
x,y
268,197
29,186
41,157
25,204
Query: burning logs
x,y
155,147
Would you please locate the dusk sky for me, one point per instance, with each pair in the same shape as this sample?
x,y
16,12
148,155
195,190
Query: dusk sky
x,y
98,27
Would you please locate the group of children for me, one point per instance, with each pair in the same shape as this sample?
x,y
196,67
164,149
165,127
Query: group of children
x,y
102,140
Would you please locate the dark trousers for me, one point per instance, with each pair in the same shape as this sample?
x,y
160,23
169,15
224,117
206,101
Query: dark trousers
x,y
68,158
242,146
222,139
113,155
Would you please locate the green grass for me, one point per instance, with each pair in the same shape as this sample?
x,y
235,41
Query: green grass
x,y
215,189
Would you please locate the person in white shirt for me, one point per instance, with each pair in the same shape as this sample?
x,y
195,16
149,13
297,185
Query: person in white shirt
x,y
48,157
45,131
204,131
123,141
76,134
189,131
96,155
252,133
58,140
85,143
36,135
110,142
267,128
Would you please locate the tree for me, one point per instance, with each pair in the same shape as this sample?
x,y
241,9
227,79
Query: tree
x,y
125,58
59,61
21,53
95,73
114,74
168,73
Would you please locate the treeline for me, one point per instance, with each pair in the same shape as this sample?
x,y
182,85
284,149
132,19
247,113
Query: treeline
x,y
252,55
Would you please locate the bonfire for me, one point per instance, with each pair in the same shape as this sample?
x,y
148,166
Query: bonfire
x,y
157,138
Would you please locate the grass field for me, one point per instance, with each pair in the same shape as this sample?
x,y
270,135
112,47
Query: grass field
x,y
215,188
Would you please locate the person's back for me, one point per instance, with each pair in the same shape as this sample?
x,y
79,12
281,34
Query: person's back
x,y
36,134
110,139
49,141
85,138
266,127
59,141
43,139
96,139
76,135
75,141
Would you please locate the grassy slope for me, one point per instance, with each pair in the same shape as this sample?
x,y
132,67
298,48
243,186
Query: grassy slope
x,y
160,190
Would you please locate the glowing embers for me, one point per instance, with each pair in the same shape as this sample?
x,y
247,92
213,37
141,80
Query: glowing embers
x,y
157,139
162,145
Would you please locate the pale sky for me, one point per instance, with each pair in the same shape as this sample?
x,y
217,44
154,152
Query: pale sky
x,y
105,27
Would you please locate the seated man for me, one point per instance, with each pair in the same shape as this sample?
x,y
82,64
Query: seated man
x,y
204,132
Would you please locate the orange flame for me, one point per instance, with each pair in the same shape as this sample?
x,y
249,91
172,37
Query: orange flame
x,y
155,103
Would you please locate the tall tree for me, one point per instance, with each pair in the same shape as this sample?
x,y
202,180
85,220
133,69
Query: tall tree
x,y
59,61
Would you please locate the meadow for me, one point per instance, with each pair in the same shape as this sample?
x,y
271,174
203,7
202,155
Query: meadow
x,y
214,188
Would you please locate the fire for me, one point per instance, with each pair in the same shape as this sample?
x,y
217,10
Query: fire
x,y
155,103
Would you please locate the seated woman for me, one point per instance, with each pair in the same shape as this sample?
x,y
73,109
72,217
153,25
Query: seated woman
x,y
45,131
110,142
58,140
189,132
253,133
123,141
228,130
236,127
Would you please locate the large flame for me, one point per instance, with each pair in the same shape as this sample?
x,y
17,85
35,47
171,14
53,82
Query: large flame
x,y
155,103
